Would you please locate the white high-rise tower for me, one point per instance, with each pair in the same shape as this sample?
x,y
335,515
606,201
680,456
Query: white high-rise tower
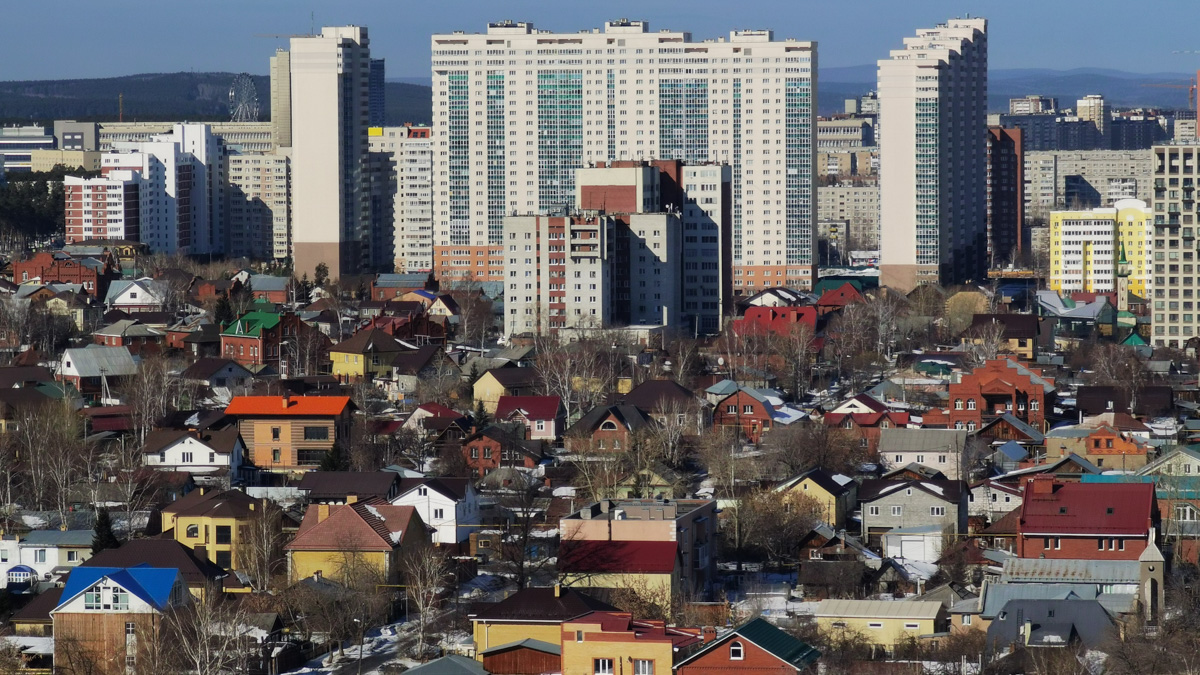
x,y
933,157
518,110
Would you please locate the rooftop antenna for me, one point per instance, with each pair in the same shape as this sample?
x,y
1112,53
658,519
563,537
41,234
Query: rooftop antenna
x,y
121,106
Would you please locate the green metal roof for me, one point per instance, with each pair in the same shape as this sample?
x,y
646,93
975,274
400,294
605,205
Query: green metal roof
x,y
784,646
252,324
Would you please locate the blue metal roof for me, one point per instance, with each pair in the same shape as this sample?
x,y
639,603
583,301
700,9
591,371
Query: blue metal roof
x,y
151,584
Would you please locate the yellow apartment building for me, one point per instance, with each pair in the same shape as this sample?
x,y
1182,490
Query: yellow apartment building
x,y
1086,248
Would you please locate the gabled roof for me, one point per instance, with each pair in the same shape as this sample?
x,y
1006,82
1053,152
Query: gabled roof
x,y
1016,326
917,440
128,328
1086,508
284,406
531,407
527,643
948,490
631,417
541,605
452,488
369,341
268,283
368,525
252,324
770,639
817,475
1031,434
151,584
59,538
449,665
840,296
322,485
879,609
1083,465
194,570
617,557
514,377
14,376
206,367
213,504
95,360
651,395
413,361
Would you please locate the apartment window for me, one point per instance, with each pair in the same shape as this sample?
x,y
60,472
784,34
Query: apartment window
x,y
966,619
193,531
316,433
275,455
970,404
579,636
187,458
912,626
937,510
729,409
875,624
224,559
130,628
747,409
91,599
72,556
120,599
275,433
872,510
602,666
897,511
39,556
439,514
736,651
643,667
224,534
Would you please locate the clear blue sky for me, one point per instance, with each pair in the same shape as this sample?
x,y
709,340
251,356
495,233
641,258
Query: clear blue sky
x,y
90,38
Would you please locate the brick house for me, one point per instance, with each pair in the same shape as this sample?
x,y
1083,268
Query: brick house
x,y
756,648
131,333
865,428
257,338
775,320
1001,386
543,417
1103,445
754,411
606,429
286,433
890,504
94,274
495,446
1086,521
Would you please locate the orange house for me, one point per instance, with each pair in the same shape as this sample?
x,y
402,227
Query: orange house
x,y
291,433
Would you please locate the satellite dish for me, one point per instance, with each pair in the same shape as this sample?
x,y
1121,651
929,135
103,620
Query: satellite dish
x,y
720,360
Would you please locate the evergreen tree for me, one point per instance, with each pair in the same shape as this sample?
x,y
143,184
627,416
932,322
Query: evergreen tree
x,y
335,460
104,536
223,314
481,416
321,274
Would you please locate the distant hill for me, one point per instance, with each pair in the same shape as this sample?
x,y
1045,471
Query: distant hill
x,y
205,96
1121,88
168,96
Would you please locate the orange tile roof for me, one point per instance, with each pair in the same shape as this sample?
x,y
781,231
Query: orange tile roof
x,y
301,406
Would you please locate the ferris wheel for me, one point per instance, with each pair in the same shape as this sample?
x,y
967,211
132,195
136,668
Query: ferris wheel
x,y
243,99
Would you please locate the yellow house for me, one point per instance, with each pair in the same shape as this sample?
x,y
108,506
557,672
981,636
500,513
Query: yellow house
x,y
649,568
368,354
209,522
599,641
335,541
1085,247
531,613
499,382
882,623
832,497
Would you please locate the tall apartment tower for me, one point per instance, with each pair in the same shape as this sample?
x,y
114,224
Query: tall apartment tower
x,y
933,157
331,216
518,110
1176,295
411,147
104,207
281,99
1006,234
258,198
1093,108
377,97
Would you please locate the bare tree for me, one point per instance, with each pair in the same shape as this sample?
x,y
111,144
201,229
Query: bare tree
x,y
476,318
207,635
152,393
984,343
774,522
423,570
685,358
260,545
515,552
796,353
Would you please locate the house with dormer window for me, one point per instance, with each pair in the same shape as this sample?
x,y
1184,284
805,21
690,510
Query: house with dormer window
x,y
107,618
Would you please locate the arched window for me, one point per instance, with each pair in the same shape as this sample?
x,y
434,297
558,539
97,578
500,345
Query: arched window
x,y
958,404
608,425
736,652
970,404
193,531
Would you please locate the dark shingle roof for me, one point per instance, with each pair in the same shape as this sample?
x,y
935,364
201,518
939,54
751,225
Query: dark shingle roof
x,y
541,604
195,571
339,484
631,416
651,394
779,644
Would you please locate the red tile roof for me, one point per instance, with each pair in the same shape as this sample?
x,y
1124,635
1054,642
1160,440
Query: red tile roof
x,y
1086,508
295,406
369,525
867,419
591,557
532,407
840,296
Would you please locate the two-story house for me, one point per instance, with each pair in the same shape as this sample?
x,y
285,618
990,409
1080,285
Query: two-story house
x,y
754,412
614,642
97,372
211,523
689,524
333,538
282,341
939,449
94,274
755,647
449,506
532,613
889,504
1090,521
291,433
366,355
836,494
136,296
1001,386
109,618
347,487
495,446
884,625
498,382
204,443
543,417
50,554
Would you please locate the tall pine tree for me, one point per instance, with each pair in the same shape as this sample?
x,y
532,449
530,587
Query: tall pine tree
x,y
104,536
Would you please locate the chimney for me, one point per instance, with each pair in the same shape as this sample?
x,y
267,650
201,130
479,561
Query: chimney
x,y
287,400
322,512
317,575
1043,484
350,499
708,634
558,590
1027,629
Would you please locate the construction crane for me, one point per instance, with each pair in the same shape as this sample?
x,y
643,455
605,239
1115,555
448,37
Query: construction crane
x,y
1190,87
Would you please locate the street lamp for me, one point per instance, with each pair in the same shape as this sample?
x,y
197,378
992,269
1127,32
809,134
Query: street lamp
x,y
362,629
